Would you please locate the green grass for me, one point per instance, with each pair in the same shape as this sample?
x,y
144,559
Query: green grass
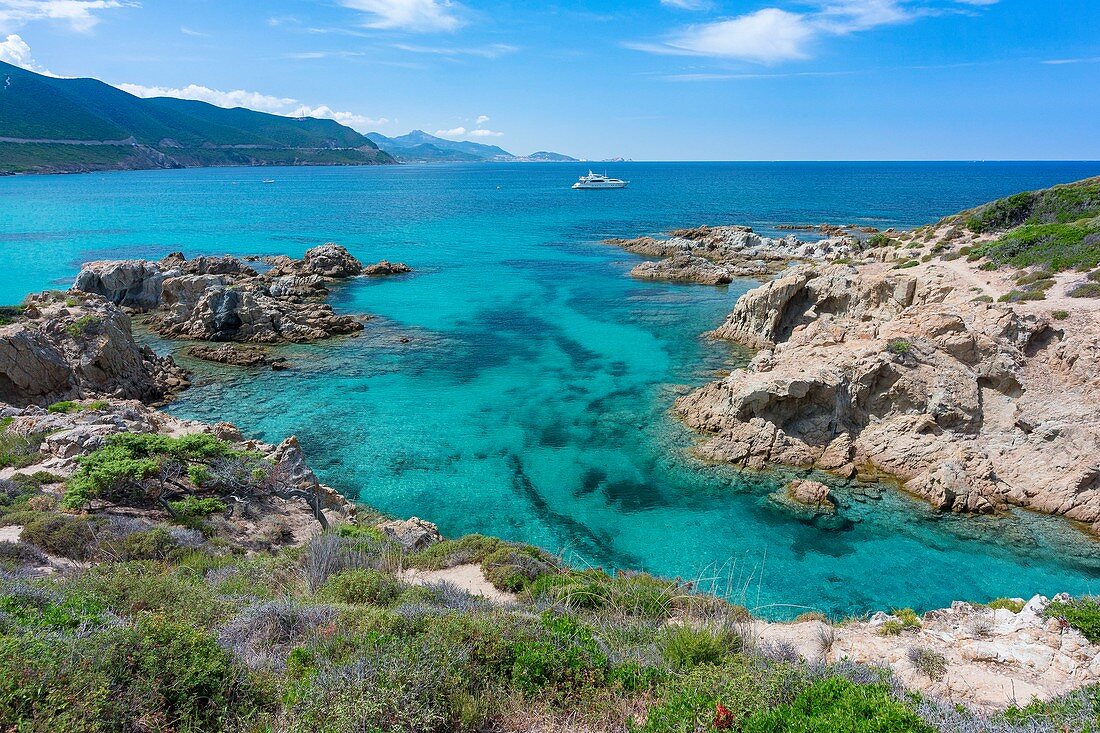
x,y
1088,290
899,346
70,406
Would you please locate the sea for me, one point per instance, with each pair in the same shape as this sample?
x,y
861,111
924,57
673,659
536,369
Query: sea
x,y
518,383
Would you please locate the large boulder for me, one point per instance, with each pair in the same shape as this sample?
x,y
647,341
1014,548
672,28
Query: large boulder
x,y
331,260
413,534
71,347
130,283
385,267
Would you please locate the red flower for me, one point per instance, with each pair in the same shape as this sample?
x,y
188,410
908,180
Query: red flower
x,y
723,718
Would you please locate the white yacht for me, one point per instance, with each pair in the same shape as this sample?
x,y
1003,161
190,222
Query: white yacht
x,y
595,180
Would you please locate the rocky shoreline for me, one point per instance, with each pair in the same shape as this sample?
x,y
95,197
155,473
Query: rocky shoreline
x,y
902,365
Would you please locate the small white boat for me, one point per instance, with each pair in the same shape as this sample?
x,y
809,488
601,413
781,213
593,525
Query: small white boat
x,y
596,180
269,180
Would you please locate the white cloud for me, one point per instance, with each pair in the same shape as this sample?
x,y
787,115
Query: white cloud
x,y
482,119
772,35
467,133
234,98
1063,62
192,32
423,16
481,132
453,132
492,51
284,106
15,51
358,122
80,15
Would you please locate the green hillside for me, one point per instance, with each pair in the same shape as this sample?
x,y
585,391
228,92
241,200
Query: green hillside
x,y
43,117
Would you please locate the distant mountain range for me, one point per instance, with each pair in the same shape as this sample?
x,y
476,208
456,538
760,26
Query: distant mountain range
x,y
50,125
420,147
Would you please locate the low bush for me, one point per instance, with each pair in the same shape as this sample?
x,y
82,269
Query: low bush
x,y
61,535
1009,604
150,544
513,567
21,553
1088,290
906,264
361,586
839,706
561,664
899,346
1060,315
1082,614
69,406
18,451
928,662
684,647
1016,296
723,697
472,548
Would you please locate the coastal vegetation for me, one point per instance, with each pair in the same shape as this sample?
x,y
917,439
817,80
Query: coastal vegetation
x,y
1056,229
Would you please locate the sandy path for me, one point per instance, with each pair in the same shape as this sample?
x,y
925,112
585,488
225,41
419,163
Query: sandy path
x,y
467,577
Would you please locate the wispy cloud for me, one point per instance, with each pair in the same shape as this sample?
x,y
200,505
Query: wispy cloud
x,y
477,131
491,51
305,55
80,15
687,4
14,50
421,16
1063,62
772,35
192,32
285,106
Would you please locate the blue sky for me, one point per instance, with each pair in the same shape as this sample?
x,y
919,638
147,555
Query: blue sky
x,y
646,79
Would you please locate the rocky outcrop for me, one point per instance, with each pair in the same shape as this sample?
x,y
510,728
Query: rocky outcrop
x,y
76,433
715,255
683,268
986,659
132,283
385,267
971,405
224,299
70,347
809,493
413,534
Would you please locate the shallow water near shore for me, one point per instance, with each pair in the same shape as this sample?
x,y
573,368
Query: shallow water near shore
x,y
531,398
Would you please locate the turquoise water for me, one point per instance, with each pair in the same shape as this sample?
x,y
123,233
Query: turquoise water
x,y
531,398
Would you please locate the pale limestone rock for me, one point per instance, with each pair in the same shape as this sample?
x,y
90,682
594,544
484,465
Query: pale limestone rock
x,y
412,534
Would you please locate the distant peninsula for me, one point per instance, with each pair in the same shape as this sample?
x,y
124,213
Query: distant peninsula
x,y
420,147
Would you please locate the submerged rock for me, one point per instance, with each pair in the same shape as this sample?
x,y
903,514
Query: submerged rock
x,y
385,267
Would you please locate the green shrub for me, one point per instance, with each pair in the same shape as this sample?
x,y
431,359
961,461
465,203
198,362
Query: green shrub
x,y
151,544
1060,315
472,548
1016,296
512,568
156,675
988,266
18,451
192,507
33,608
1082,614
880,240
129,588
839,706
1088,290
361,586
563,664
69,406
62,535
83,326
684,647
904,618
906,265
1010,604
899,346
742,686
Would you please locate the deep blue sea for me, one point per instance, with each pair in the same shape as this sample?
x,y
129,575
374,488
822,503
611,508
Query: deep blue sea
x,y
531,398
